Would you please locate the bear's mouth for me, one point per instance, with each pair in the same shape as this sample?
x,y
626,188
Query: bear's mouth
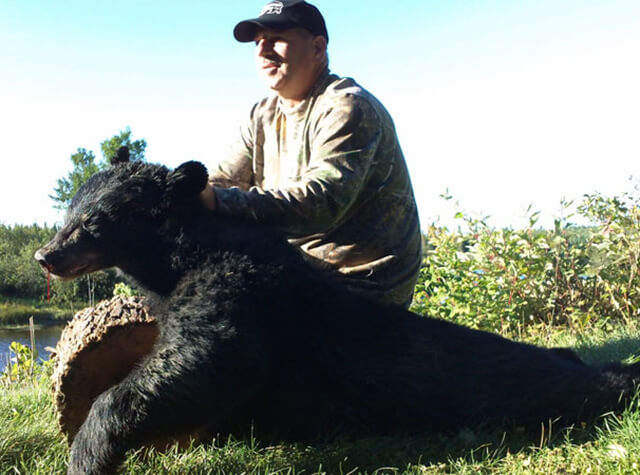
x,y
71,273
62,272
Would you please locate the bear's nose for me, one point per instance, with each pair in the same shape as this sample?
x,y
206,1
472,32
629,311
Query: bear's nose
x,y
42,259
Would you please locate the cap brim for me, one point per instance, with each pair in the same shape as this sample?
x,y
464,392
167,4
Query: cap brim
x,y
245,31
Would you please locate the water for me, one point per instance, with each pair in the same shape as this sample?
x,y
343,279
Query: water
x,y
46,336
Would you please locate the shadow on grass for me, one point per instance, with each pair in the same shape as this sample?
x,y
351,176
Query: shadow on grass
x,y
619,349
379,455
398,454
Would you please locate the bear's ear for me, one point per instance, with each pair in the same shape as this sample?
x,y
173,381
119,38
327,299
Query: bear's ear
x,y
121,156
189,179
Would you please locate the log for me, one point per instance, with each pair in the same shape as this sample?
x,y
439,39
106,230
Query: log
x,y
96,350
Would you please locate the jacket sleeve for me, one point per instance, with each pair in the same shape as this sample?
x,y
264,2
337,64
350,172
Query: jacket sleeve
x,y
344,138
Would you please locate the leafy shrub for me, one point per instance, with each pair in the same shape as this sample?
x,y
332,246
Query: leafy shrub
x,y
512,281
124,290
24,366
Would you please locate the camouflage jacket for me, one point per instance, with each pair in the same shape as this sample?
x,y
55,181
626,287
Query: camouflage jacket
x,y
330,173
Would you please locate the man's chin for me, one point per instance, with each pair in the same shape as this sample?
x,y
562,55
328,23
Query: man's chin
x,y
274,81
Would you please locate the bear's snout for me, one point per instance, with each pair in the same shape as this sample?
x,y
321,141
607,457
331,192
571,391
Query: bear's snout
x,y
55,259
41,257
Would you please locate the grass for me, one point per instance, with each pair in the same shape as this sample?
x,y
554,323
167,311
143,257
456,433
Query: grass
x,y
29,438
31,444
16,312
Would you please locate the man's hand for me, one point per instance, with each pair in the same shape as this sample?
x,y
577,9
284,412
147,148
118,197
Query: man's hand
x,y
208,197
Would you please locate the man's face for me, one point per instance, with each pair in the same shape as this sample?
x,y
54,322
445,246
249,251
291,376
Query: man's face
x,y
287,60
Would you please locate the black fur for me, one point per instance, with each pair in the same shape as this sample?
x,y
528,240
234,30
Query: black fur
x,y
251,334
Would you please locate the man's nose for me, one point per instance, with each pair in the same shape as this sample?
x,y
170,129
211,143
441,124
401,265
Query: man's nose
x,y
263,46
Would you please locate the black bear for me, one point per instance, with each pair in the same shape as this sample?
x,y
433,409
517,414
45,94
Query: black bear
x,y
252,335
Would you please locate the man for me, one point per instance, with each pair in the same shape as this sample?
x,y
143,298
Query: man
x,y
320,160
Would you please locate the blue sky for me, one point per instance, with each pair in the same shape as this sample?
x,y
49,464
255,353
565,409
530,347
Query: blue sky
x,y
502,102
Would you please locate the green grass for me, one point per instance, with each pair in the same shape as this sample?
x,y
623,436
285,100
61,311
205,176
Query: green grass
x,y
16,312
29,438
31,444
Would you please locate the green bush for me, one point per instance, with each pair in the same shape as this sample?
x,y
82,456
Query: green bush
x,y
514,281
124,290
24,366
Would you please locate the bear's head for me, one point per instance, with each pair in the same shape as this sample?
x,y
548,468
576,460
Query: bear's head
x,y
116,212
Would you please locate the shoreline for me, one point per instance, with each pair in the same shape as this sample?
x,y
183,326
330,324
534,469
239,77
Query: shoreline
x,y
38,325
40,320
15,313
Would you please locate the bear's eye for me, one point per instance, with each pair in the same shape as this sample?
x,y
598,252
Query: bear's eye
x,y
86,224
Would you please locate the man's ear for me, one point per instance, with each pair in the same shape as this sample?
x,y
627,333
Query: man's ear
x,y
319,48
121,156
187,181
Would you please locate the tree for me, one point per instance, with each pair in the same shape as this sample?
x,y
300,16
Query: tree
x,y
84,165
110,147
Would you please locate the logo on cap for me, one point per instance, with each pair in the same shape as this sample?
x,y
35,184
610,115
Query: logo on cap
x,y
273,8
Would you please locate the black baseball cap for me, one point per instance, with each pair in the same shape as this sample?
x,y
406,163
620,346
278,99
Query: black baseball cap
x,y
281,15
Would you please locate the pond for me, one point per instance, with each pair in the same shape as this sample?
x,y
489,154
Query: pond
x,y
45,336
